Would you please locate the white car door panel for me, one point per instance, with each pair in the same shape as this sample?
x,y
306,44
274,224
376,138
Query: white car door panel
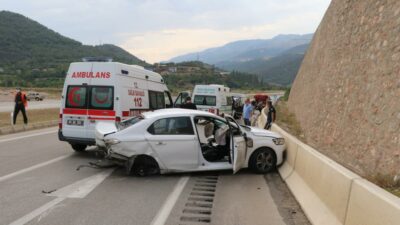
x,y
174,141
239,154
238,145
177,152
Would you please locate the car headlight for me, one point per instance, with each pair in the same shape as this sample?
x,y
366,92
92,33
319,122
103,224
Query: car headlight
x,y
279,141
112,141
249,142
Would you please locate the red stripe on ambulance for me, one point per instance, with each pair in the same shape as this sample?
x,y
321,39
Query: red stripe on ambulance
x,y
91,112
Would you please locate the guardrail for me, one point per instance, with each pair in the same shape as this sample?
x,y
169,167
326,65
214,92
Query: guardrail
x,y
330,193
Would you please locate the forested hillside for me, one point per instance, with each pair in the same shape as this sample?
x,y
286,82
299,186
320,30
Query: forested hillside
x,y
33,55
281,69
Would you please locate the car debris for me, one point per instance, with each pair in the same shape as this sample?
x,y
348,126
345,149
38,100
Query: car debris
x,y
100,164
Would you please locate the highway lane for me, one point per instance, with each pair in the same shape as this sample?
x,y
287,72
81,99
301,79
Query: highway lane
x,y
96,196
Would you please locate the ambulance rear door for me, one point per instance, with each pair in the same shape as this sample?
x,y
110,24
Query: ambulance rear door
x,y
100,101
76,96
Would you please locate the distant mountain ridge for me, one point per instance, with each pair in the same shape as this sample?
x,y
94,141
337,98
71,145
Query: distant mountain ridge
x,y
247,49
274,60
30,52
279,70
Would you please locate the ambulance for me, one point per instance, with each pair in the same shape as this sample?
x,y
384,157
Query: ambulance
x,y
106,91
214,98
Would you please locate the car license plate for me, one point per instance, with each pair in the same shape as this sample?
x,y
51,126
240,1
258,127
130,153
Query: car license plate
x,y
75,122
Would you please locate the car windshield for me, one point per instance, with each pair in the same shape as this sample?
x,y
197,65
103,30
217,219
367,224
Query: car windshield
x,y
129,122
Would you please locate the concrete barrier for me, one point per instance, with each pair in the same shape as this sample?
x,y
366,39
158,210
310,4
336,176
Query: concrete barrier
x,y
331,194
371,205
321,186
292,144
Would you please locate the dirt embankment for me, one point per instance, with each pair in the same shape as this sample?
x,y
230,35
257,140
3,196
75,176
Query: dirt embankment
x,y
346,94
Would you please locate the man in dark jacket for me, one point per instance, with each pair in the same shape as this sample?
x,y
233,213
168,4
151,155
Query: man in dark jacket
x,y
188,104
20,103
271,115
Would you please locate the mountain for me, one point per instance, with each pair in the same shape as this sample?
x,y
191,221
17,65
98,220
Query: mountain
x,y
246,50
280,69
275,60
32,54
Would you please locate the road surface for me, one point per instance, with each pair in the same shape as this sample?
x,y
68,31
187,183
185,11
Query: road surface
x,y
45,104
40,184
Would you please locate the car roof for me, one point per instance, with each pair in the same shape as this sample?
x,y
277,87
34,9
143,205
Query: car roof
x,y
176,112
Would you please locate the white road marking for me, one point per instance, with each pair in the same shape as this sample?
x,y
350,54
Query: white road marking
x,y
78,189
83,187
166,209
28,217
27,136
8,176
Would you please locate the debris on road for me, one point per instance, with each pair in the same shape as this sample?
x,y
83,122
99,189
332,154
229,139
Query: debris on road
x,y
48,192
100,164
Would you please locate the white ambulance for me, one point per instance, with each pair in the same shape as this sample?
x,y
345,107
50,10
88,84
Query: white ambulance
x,y
106,91
214,98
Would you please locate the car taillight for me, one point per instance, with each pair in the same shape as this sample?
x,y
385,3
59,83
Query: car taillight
x,y
60,121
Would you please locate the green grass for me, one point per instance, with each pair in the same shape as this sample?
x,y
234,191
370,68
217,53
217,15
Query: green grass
x,y
34,116
288,121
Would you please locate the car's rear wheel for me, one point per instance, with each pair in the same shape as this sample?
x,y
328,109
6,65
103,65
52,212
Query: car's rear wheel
x,y
145,166
262,160
79,147
37,99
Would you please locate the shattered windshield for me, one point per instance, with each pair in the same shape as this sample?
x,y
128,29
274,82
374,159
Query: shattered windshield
x,y
129,122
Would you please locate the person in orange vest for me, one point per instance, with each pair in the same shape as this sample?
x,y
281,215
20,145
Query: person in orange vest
x,y
20,104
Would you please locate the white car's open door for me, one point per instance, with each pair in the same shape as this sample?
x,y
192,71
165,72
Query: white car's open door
x,y
238,145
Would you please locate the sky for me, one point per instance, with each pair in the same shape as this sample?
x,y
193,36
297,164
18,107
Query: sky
x,y
157,30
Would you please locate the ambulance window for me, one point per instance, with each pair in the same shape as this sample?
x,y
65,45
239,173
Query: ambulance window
x,y
157,100
101,97
76,97
204,100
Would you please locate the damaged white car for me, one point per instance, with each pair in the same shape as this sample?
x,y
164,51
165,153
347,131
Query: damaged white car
x,y
181,140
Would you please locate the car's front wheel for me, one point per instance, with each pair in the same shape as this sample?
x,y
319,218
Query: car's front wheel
x,y
79,147
263,160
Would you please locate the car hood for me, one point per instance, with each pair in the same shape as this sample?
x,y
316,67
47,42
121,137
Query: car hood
x,y
105,128
263,133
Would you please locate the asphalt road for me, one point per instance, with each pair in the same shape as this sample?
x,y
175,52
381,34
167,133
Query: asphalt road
x,y
40,184
45,104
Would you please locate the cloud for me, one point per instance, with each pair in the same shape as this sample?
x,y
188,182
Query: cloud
x,y
158,29
162,45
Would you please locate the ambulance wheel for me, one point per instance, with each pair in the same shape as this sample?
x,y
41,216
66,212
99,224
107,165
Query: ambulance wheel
x,y
78,147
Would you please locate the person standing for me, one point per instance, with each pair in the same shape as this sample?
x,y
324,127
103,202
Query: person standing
x,y
271,115
20,104
188,104
247,112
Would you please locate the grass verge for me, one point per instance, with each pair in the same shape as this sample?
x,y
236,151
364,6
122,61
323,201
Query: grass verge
x,y
287,121
34,116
